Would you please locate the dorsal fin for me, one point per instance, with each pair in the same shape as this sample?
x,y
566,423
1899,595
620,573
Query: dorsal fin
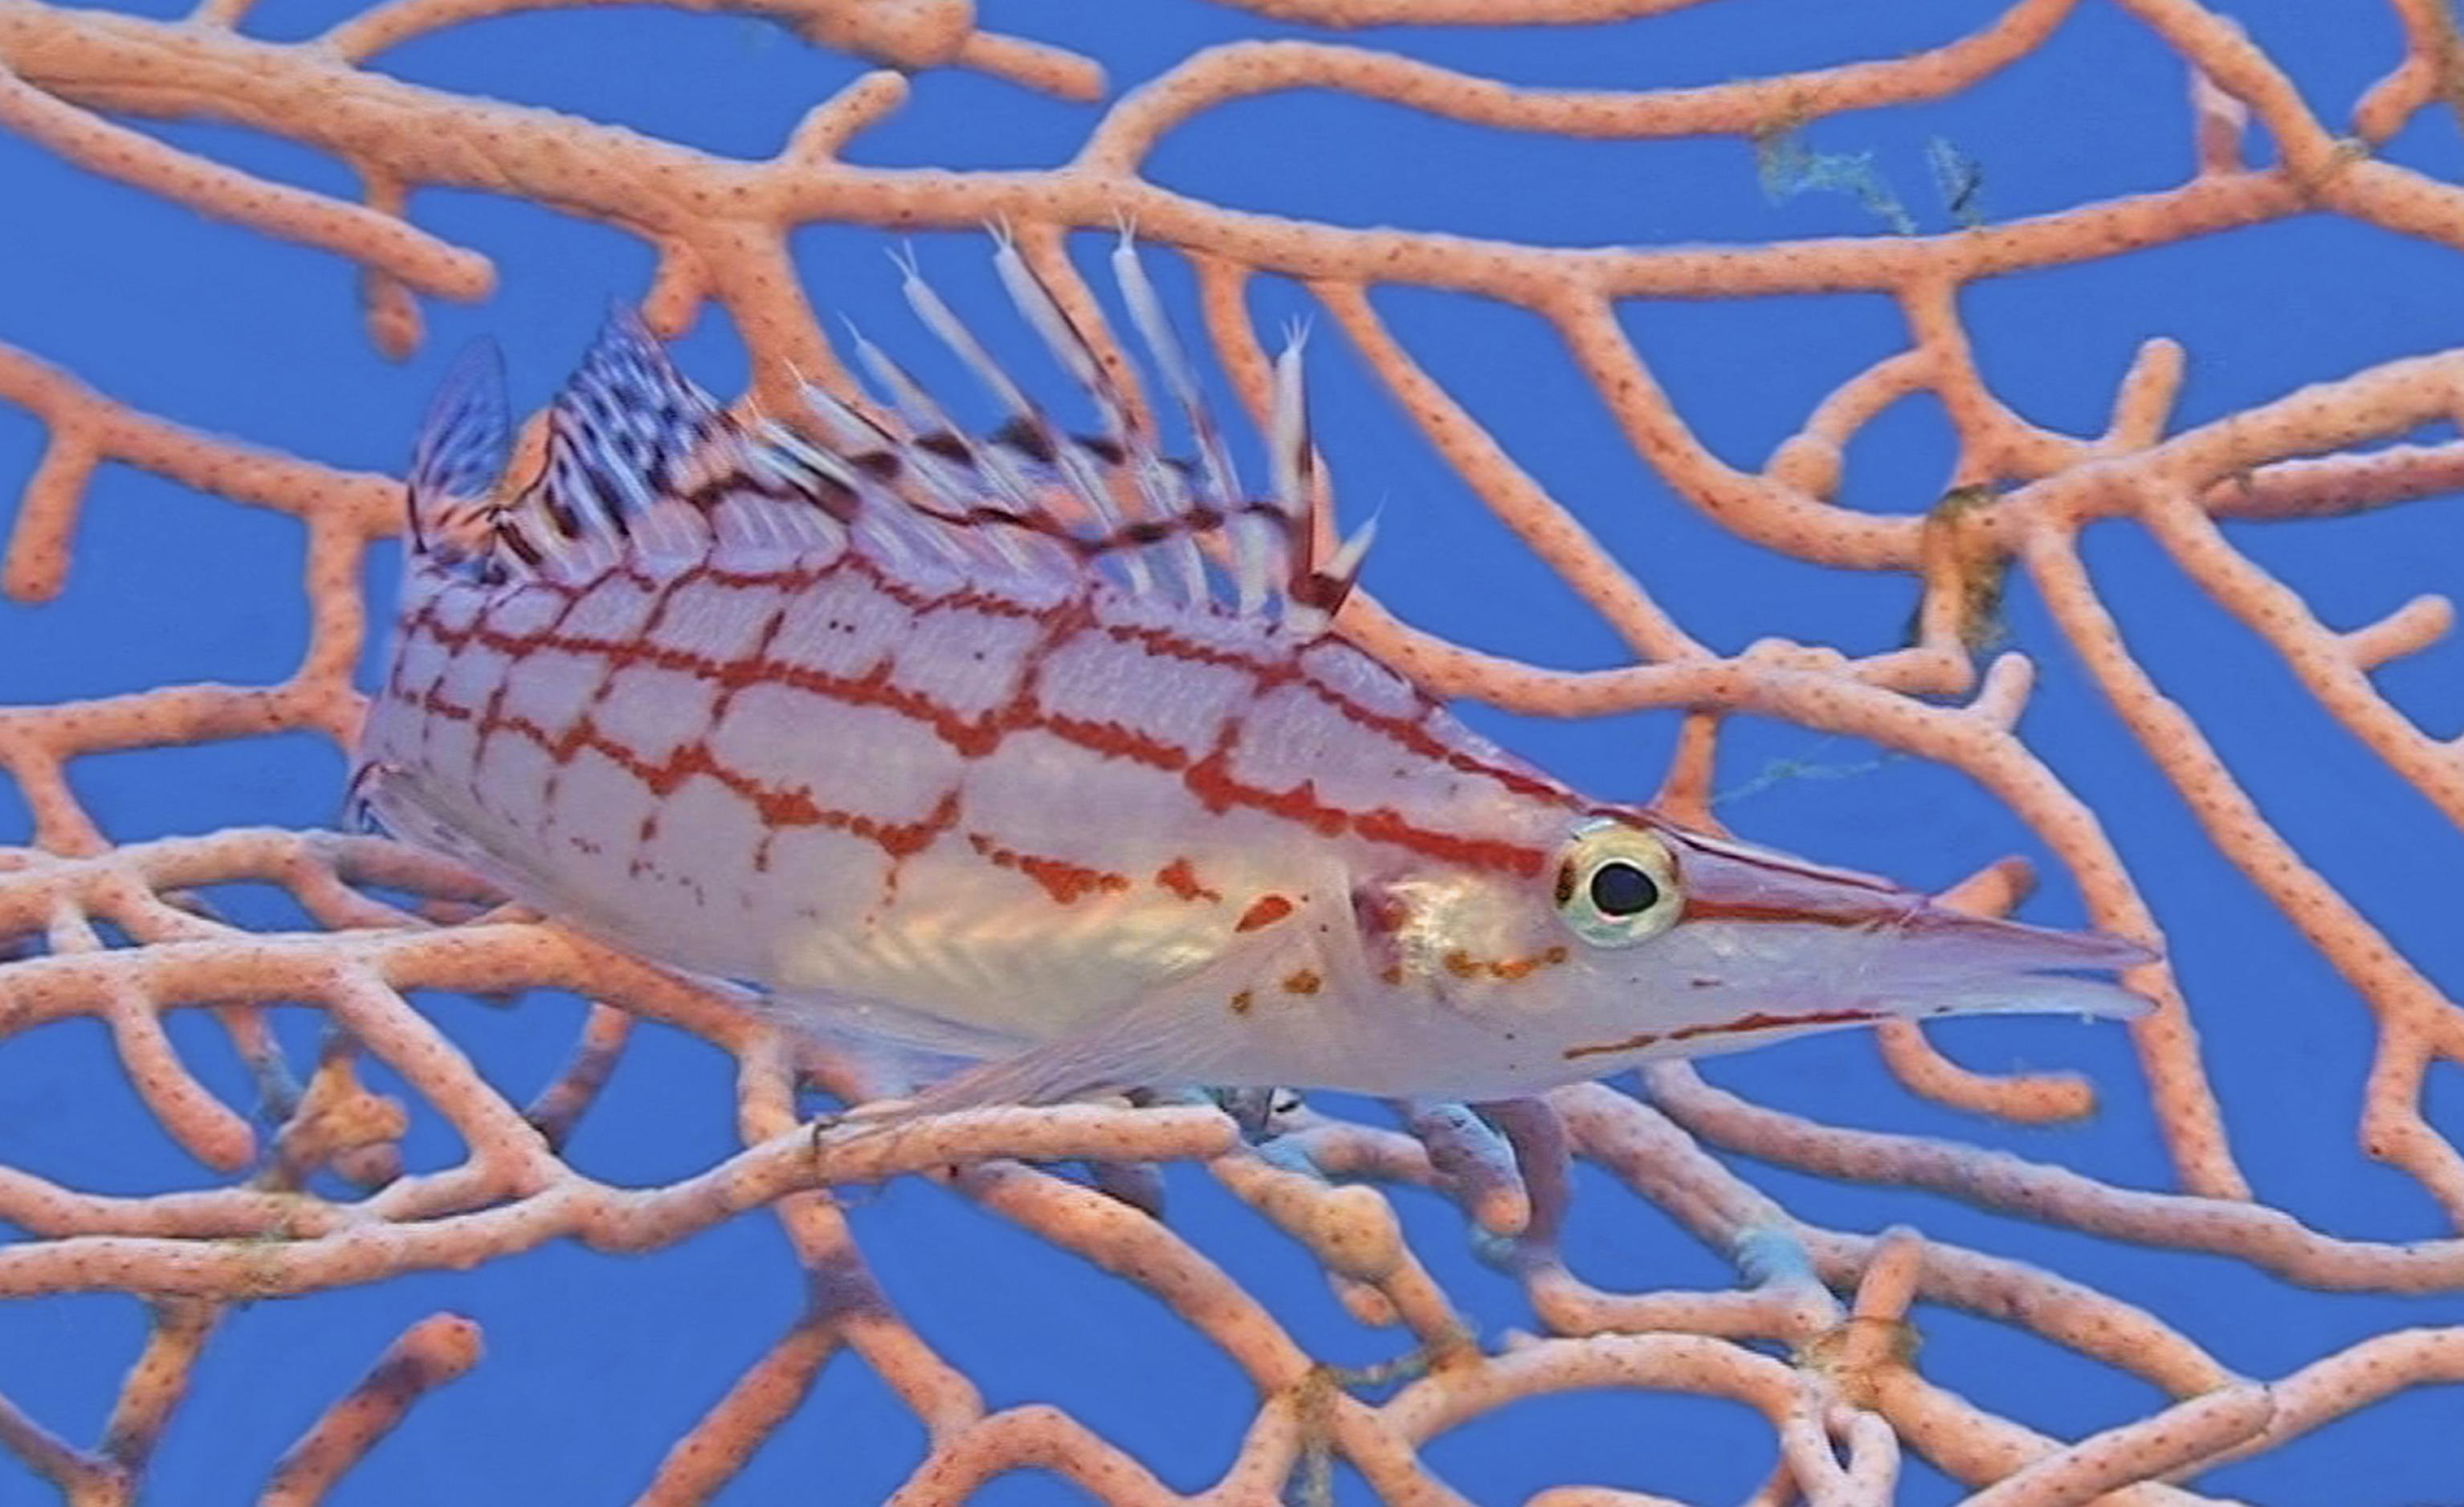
x,y
458,456
1115,496
639,458
627,436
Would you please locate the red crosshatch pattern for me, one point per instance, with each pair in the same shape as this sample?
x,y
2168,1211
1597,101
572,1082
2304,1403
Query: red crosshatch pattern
x,y
1206,773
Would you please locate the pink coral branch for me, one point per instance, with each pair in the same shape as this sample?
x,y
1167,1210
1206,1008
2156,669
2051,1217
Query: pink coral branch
x,y
1764,106
158,1382
363,1248
901,34
704,1459
115,151
1552,532
2179,1436
2266,1238
436,1350
1847,1399
88,429
83,1480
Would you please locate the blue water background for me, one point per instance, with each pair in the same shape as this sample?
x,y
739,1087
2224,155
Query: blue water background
x,y
596,1365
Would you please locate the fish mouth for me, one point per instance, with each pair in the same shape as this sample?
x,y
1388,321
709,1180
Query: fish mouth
x,y
1726,880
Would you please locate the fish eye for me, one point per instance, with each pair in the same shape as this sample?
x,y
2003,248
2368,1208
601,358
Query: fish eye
x,y
1617,885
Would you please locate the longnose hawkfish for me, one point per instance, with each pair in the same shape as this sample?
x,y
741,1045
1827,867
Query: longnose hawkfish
x,y
1047,753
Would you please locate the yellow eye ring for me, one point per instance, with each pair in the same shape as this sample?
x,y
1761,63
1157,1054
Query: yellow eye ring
x,y
1617,884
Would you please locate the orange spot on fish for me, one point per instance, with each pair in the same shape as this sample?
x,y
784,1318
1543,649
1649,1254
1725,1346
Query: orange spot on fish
x,y
1064,881
1463,966
1180,879
1241,1003
1634,1042
1265,911
1301,982
1067,881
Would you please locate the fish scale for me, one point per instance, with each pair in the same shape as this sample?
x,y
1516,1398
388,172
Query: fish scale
x,y
907,732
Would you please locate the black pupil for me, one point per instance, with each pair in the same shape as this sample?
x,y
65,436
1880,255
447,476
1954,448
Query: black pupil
x,y
1620,889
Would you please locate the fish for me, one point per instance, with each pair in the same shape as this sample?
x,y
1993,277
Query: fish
x,y
1048,754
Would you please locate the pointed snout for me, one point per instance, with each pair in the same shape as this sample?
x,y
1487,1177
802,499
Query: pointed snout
x,y
1725,880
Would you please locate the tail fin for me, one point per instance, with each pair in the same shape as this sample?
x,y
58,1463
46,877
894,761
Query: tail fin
x,y
461,452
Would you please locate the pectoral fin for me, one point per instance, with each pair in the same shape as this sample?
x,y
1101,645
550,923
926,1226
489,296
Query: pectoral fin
x,y
1197,1029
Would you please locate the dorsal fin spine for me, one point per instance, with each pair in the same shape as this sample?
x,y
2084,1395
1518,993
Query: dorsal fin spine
x,y
1163,343
947,328
953,332
925,416
1043,313
1068,346
1172,505
990,460
1287,439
